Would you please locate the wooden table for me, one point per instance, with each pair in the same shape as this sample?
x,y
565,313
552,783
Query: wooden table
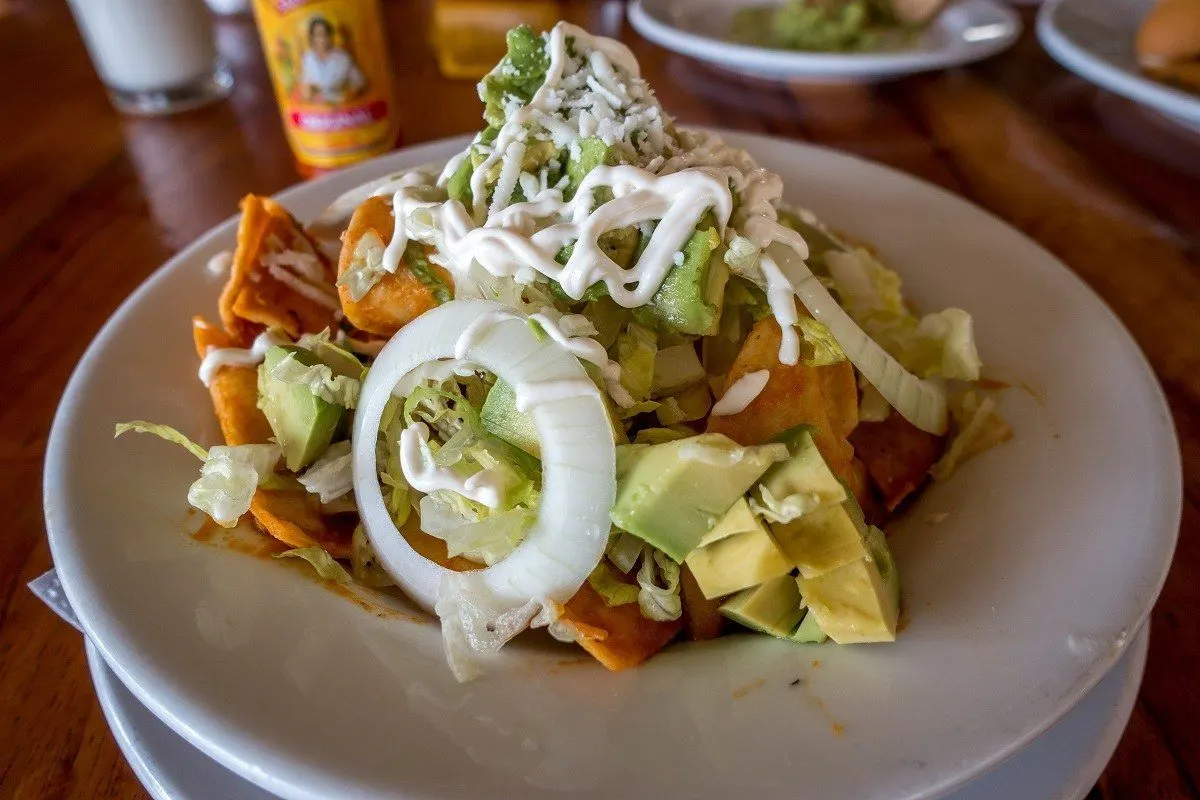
x,y
91,203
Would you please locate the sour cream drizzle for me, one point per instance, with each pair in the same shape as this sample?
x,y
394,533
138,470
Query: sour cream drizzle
x,y
217,357
741,393
588,349
425,475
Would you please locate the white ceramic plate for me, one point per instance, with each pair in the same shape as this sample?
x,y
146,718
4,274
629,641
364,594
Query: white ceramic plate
x,y
1094,39
1061,764
1018,603
967,31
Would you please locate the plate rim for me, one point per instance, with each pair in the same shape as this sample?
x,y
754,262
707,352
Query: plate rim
x,y
106,684
780,64
1167,100
76,585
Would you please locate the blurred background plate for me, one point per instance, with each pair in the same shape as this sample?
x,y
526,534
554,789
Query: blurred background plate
x,y
1095,38
966,31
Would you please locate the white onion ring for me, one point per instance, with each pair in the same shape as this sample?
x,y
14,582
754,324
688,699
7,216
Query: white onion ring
x,y
569,535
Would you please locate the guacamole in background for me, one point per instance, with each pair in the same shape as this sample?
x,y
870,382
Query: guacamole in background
x,y
818,25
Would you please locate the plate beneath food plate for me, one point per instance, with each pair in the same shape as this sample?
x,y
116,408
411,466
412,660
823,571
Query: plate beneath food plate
x,y
966,31
1052,552
1061,764
1094,39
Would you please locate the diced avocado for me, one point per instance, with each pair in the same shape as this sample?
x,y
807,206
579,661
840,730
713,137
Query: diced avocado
x,y
823,540
773,608
459,186
859,602
303,423
737,553
809,630
675,492
340,361
691,296
675,369
592,153
619,245
795,487
519,73
738,519
500,418
689,405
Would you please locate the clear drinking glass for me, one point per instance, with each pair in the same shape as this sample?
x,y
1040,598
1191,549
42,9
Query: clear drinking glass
x,y
154,56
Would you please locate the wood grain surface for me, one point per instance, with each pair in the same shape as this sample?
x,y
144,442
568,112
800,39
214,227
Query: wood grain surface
x,y
92,202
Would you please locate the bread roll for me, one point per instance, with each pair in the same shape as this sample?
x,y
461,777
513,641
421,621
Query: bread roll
x,y
1170,34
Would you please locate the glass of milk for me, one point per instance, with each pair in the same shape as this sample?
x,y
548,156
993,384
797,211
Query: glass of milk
x,y
155,56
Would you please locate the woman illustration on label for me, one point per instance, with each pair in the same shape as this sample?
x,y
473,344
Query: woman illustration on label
x,y
328,74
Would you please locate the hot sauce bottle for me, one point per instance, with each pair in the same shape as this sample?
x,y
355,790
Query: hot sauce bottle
x,y
332,77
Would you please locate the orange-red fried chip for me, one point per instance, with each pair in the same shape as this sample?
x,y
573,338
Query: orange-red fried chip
x,y
618,637
295,518
433,548
234,391
701,617
897,455
397,298
824,397
295,292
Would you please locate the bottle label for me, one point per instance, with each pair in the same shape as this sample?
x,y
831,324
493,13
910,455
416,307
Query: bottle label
x,y
329,66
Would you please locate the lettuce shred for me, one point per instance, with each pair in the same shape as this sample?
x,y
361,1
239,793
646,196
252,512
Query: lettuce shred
x,y
325,565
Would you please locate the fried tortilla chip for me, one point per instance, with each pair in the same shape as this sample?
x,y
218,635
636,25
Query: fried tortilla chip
x,y
433,548
897,455
398,298
701,617
295,518
234,391
279,277
824,397
618,637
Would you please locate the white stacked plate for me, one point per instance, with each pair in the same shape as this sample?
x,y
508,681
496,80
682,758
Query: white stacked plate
x,y
966,31
1019,602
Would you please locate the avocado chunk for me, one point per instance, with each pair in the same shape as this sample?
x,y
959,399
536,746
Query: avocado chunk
x,y
519,73
592,152
303,423
773,608
691,296
736,554
675,369
823,540
501,419
673,493
809,631
859,602
793,488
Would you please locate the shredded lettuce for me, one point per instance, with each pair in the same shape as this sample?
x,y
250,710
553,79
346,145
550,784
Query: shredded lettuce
x,y
364,564
320,380
624,550
825,348
330,476
229,478
938,344
658,578
872,407
612,591
163,432
977,426
662,435
325,565
636,348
